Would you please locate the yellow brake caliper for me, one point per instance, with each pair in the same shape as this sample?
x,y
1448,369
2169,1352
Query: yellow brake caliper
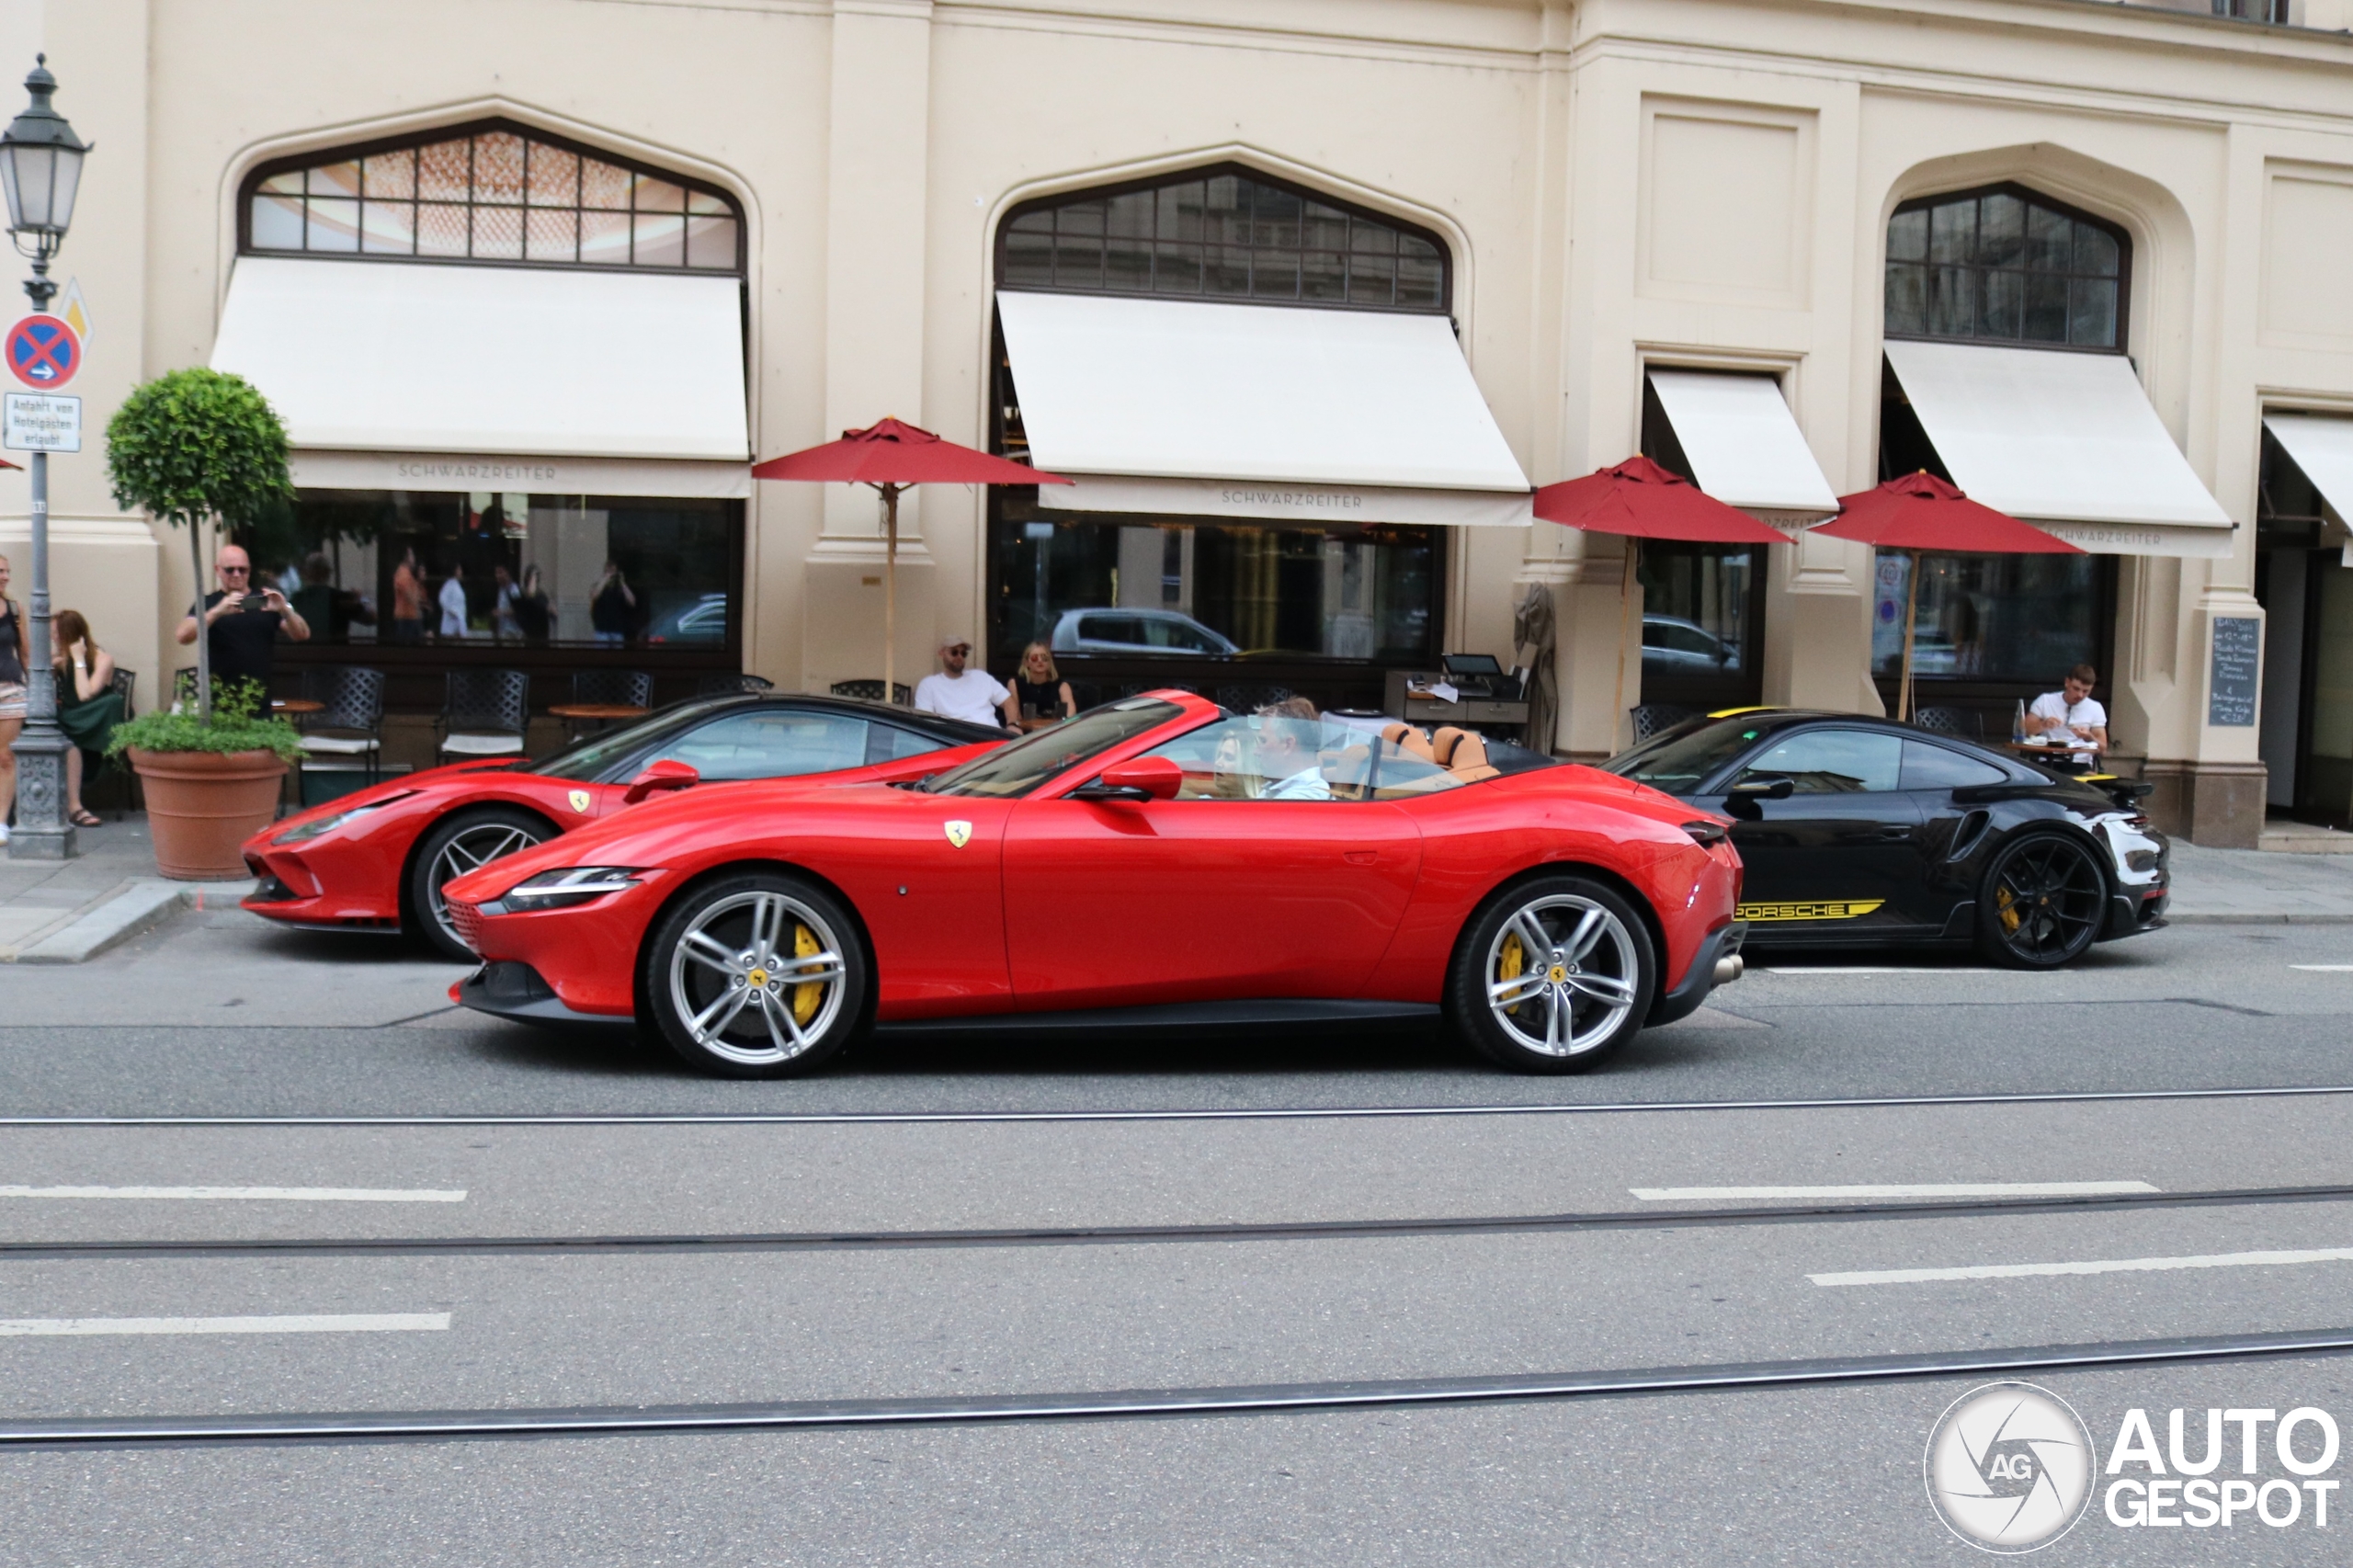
x,y
2007,910
1509,963
806,997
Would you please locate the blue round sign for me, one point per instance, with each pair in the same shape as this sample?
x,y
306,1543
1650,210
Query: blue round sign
x,y
43,352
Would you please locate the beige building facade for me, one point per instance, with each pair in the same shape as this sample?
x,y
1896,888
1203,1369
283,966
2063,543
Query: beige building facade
x,y
1858,207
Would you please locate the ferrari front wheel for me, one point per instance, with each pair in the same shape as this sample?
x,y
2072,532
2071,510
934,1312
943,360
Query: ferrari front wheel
x,y
459,843
1553,975
757,975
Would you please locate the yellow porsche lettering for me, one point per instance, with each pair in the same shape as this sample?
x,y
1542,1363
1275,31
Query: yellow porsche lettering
x,y
1827,909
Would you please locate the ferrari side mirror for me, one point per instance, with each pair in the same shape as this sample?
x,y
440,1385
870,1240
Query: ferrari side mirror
x,y
1139,778
666,774
1762,787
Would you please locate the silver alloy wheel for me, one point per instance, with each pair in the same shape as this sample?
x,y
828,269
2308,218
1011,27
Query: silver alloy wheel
x,y
1562,975
737,971
475,846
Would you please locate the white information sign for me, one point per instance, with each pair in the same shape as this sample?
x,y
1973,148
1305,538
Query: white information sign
x,y
38,422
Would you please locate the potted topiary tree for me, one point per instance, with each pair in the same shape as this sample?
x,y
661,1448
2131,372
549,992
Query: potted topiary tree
x,y
190,448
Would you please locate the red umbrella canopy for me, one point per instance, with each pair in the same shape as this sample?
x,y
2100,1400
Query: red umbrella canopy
x,y
1640,498
1920,511
893,452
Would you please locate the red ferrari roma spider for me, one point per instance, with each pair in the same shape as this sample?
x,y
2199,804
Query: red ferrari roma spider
x,y
377,860
1155,859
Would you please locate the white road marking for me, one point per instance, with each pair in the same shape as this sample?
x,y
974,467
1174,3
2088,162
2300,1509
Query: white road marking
x,y
1889,968
1899,1189
2104,1266
328,1322
251,1194
2325,968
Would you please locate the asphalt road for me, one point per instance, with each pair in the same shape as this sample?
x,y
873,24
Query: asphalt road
x,y
1356,1260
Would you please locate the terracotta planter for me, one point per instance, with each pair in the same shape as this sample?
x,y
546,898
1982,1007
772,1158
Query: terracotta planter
x,y
202,805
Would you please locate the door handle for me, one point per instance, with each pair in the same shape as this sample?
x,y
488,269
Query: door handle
x,y
1360,857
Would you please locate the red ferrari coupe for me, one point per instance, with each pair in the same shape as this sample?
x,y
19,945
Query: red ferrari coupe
x,y
1155,859
377,860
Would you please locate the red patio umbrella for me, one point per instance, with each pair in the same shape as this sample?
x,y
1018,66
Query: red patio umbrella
x,y
1920,514
1640,500
890,455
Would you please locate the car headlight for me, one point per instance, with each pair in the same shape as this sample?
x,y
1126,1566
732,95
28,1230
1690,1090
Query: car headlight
x,y
571,885
303,833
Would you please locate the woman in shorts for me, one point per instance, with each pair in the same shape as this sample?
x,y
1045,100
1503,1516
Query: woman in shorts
x,y
14,649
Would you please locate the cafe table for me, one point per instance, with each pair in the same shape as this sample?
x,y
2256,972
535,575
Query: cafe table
x,y
576,714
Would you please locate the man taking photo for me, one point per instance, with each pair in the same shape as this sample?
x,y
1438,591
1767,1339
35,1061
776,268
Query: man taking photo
x,y
241,623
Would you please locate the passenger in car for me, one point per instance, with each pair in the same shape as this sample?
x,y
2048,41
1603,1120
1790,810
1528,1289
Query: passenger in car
x,y
1289,756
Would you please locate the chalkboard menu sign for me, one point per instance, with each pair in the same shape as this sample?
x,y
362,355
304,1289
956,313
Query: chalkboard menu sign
x,y
2238,661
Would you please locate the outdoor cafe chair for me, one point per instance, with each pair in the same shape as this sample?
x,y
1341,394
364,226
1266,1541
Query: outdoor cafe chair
x,y
484,714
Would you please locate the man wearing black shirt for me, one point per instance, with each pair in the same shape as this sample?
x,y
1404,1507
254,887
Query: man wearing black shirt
x,y
241,625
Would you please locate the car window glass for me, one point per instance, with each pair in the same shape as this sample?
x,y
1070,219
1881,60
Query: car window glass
x,y
769,743
1679,764
1018,768
1109,628
1277,758
888,743
1833,762
1930,766
589,758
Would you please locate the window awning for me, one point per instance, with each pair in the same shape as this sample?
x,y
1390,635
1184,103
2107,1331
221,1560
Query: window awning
x,y
491,360
2067,441
1256,411
2322,447
1744,445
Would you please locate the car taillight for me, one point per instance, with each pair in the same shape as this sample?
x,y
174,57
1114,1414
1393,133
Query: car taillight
x,y
1707,832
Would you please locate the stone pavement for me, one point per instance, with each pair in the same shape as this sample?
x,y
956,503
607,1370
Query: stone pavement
x,y
39,899
111,891
2258,885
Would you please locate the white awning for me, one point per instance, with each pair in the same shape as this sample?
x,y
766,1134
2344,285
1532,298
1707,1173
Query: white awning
x,y
1744,445
2322,448
360,356
2067,441
1256,411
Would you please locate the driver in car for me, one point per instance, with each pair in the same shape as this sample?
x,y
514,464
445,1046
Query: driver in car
x,y
1289,738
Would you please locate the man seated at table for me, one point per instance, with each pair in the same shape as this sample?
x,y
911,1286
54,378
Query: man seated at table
x,y
2070,713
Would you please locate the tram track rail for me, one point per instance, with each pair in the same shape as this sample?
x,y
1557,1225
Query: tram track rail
x,y
716,1243
1134,1404
1210,1113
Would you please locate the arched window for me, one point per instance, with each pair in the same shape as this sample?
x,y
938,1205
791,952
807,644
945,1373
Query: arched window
x,y
494,193
2004,264
1223,233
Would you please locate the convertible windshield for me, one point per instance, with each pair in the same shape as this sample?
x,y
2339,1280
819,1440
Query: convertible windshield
x,y
1020,767
586,760
1681,764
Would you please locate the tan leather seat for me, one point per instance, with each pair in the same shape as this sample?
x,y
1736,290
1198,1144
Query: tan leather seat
x,y
1468,760
1408,739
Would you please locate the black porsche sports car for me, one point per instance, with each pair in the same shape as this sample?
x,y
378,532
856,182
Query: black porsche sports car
x,y
1864,832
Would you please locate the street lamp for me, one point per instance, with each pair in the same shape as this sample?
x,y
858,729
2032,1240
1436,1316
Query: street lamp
x,y
40,173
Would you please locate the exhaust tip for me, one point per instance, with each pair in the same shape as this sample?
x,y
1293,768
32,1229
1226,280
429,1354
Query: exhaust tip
x,y
1730,969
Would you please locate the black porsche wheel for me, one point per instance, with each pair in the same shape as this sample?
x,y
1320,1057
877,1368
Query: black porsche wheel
x,y
758,975
453,847
2042,903
1553,975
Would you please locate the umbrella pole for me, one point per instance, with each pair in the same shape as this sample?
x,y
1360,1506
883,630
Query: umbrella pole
x,y
1625,615
890,592
1911,611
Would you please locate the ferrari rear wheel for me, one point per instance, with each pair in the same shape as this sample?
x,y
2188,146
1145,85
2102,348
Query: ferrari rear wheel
x,y
757,975
1552,976
2043,902
455,845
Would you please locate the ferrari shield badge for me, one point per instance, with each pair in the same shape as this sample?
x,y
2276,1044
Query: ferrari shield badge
x,y
579,799
960,833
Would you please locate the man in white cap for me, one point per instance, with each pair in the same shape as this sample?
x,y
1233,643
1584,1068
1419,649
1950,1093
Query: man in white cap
x,y
955,692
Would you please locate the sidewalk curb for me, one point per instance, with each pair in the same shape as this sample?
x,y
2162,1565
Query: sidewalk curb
x,y
2226,918
140,907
